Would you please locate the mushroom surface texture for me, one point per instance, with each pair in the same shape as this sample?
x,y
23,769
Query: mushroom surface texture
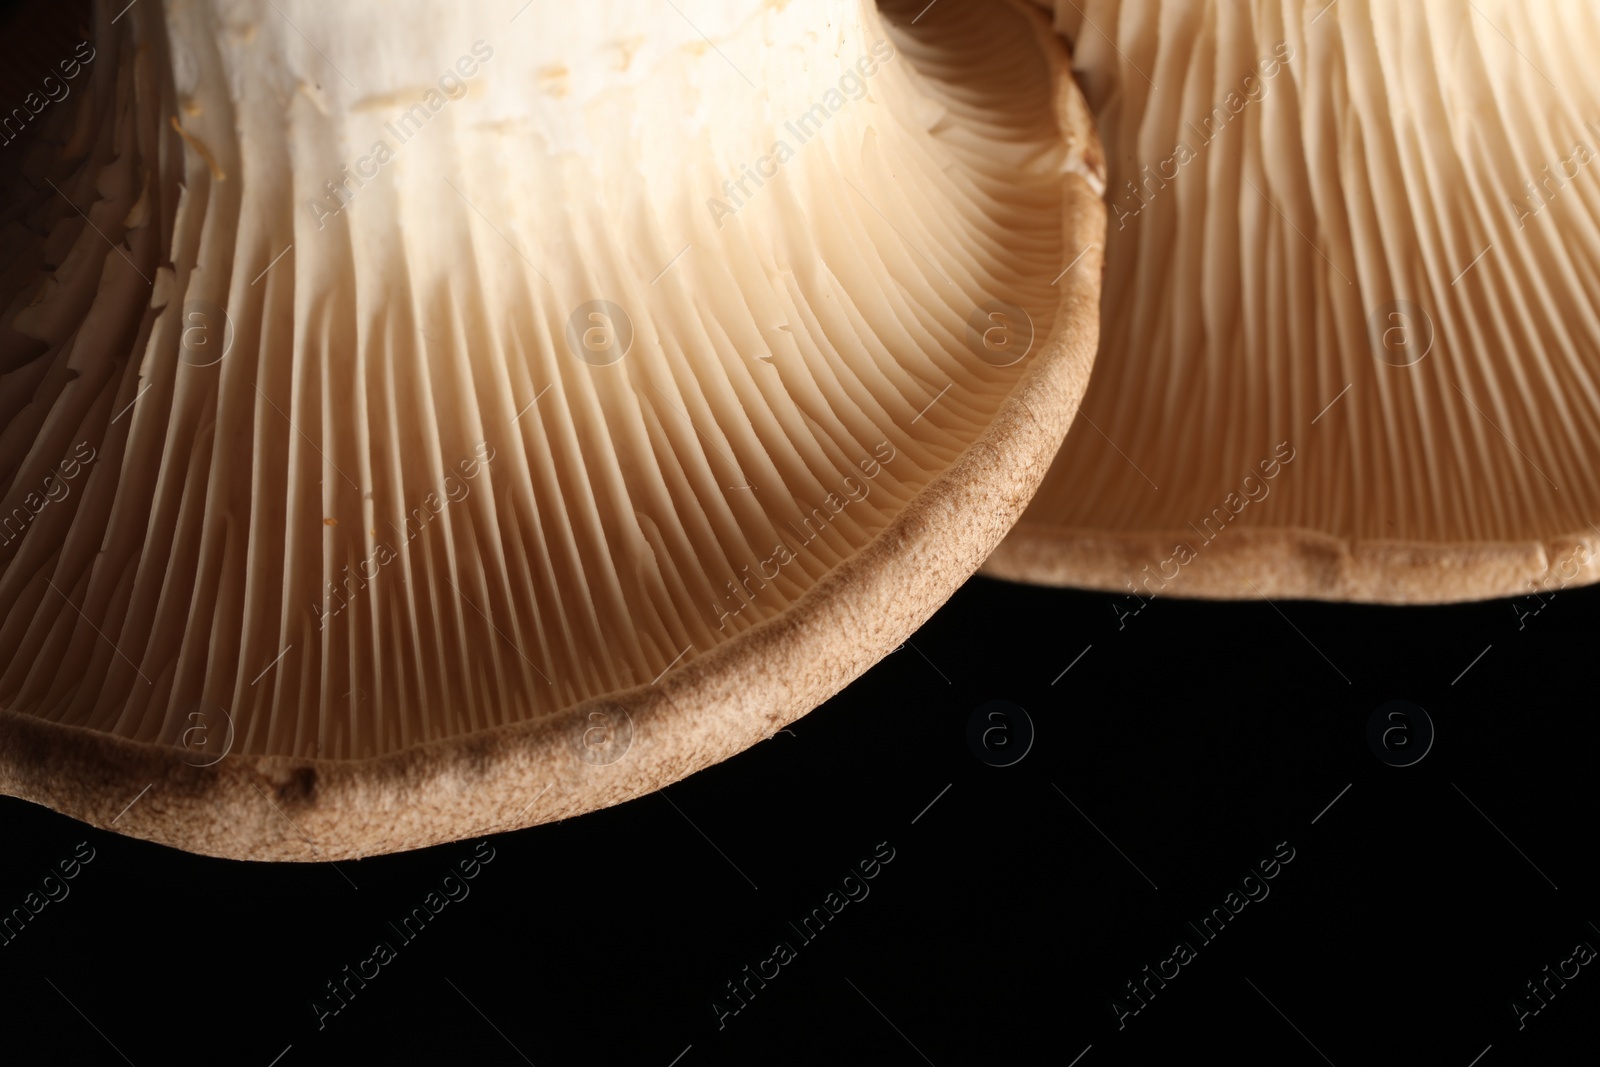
x,y
435,419
1350,347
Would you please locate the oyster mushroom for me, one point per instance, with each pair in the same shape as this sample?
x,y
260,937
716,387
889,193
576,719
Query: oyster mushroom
x,y
1349,346
462,418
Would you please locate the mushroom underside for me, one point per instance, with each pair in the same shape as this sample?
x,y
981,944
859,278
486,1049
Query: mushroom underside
x,y
1349,343
411,435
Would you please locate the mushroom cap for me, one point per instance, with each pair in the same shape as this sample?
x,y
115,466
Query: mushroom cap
x,y
438,424
1365,234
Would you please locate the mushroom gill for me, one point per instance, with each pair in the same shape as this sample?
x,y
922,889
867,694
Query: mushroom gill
x,y
1349,345
459,418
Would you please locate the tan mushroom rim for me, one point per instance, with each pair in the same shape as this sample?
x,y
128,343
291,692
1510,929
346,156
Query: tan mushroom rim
x,y
1349,347
975,429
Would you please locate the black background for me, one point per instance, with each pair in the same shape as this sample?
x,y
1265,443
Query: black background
x,y
1183,745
